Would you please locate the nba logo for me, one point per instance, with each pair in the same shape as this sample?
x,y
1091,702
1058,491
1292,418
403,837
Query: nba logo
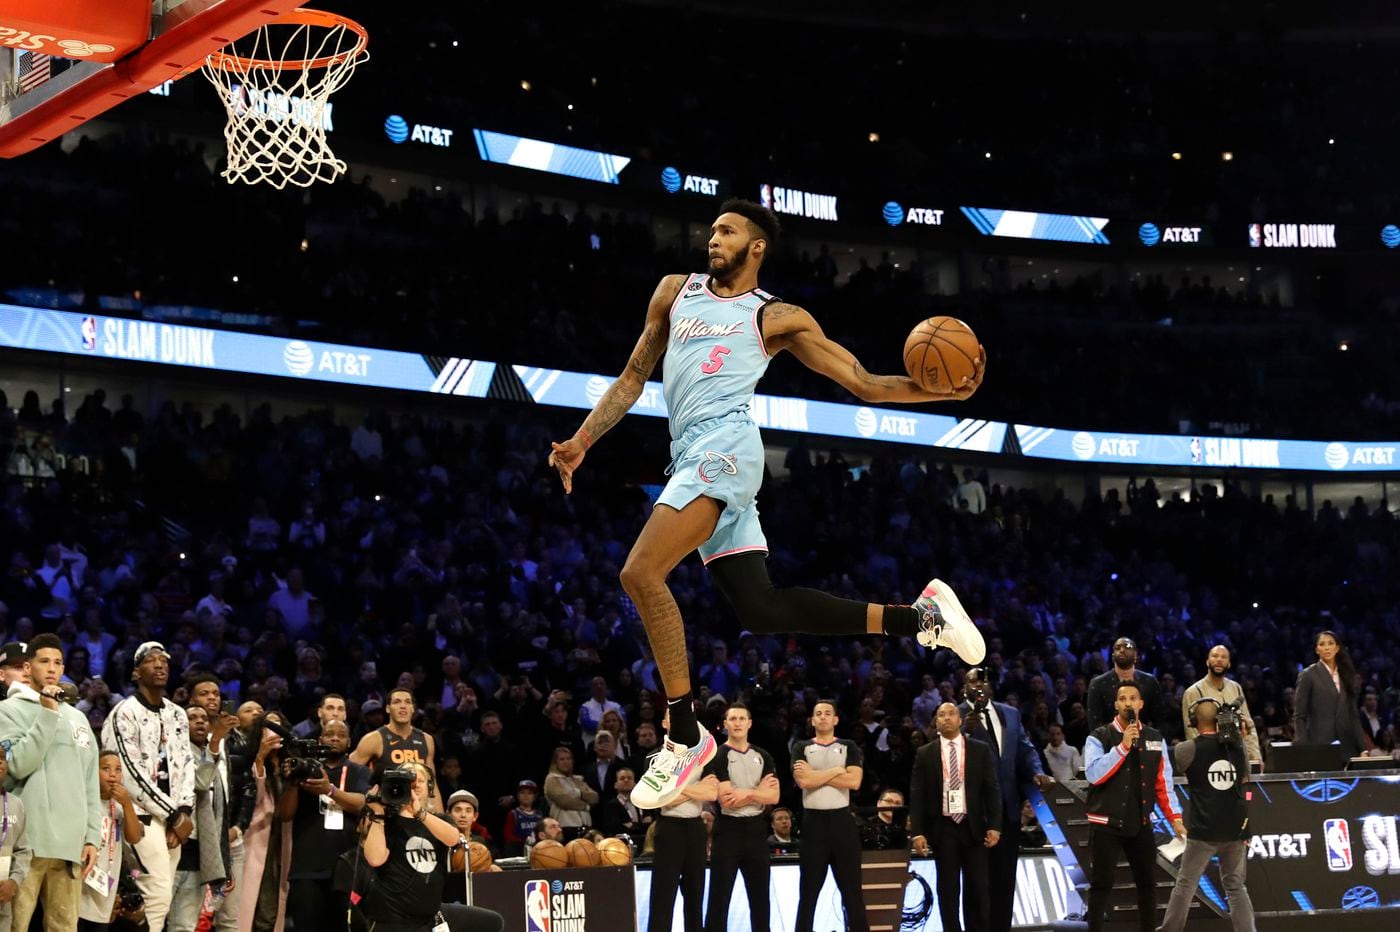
x,y
1256,235
1338,838
765,196
536,906
89,332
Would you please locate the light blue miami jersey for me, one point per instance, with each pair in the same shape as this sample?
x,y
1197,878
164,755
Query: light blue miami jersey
x,y
714,359
714,354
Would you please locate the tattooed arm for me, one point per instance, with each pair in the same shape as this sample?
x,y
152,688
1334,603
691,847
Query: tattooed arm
x,y
622,394
788,327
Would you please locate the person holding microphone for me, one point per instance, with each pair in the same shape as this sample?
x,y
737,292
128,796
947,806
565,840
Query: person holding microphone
x,y
1127,767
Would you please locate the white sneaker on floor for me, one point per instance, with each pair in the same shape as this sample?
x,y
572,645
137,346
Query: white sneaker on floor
x,y
672,769
943,623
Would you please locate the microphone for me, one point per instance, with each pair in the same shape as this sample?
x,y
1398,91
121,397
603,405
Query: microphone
x,y
1131,716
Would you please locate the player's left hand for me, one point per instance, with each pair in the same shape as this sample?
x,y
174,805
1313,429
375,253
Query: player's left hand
x,y
567,457
973,382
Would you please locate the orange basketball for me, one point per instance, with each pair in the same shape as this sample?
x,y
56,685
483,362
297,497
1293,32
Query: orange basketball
x,y
614,852
548,854
582,853
480,856
940,352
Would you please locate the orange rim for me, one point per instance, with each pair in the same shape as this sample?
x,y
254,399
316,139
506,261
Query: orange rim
x,y
304,17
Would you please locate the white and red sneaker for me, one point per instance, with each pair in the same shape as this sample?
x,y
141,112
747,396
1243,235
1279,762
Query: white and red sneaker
x,y
943,623
672,769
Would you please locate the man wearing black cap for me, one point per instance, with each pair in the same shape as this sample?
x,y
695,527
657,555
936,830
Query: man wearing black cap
x,y
14,666
151,734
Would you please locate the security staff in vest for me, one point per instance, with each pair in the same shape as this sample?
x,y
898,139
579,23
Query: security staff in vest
x,y
1127,766
827,768
1217,821
955,807
678,839
748,782
1018,765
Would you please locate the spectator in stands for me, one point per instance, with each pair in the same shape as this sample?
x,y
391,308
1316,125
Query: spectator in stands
x,y
99,894
228,750
52,757
522,821
263,893
203,872
1104,687
570,798
600,765
14,849
1062,759
618,815
590,713
152,736
783,839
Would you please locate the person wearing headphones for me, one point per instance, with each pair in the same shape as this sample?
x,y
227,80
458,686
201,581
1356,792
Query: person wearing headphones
x,y
1217,818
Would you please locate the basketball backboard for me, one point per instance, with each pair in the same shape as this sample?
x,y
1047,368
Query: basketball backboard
x,y
63,62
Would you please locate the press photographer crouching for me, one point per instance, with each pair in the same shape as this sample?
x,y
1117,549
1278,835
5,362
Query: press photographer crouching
x,y
1217,822
400,879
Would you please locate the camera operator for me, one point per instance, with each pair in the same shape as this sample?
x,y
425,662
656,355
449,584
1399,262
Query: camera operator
x,y
1218,819
324,795
1216,685
406,849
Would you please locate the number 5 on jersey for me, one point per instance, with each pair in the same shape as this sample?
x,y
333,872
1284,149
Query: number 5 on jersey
x,y
716,360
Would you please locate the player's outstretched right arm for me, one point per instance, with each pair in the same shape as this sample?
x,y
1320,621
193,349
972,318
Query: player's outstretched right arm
x,y
622,394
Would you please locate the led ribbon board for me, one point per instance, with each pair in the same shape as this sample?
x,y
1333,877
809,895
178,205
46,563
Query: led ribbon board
x,y
1026,224
552,157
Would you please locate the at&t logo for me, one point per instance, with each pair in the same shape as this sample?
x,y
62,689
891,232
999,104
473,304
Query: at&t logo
x,y
673,181
555,906
866,422
398,131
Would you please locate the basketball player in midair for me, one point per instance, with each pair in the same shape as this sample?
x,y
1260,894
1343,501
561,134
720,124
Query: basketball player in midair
x,y
718,332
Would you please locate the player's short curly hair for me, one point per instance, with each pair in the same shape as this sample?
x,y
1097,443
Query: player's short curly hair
x,y
763,223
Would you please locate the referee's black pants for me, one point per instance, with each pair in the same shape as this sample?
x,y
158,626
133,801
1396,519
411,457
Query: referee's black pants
x,y
830,839
679,862
740,844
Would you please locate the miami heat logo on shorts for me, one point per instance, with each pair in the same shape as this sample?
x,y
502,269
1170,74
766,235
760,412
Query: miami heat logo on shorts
x,y
715,465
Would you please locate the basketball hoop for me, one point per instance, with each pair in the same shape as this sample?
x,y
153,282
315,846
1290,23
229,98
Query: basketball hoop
x,y
275,84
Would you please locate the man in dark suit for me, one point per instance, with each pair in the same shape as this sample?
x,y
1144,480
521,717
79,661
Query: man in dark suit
x,y
1103,689
955,805
998,725
601,764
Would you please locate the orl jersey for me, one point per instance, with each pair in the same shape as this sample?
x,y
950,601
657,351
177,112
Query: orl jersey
x,y
714,355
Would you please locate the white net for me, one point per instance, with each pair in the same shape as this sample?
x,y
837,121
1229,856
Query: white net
x,y
275,85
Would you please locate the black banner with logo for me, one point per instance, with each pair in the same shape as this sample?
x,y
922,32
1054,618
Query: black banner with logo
x,y
570,899
1320,841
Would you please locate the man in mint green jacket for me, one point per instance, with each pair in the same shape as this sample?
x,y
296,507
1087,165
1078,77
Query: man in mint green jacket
x,y
52,756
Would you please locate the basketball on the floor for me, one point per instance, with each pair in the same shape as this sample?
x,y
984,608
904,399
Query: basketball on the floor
x,y
614,852
548,854
582,853
479,856
940,352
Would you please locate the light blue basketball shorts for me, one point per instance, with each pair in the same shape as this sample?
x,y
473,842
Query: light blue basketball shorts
x,y
721,458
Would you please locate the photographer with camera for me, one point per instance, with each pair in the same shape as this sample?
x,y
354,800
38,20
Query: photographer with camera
x,y
1217,822
406,851
325,794
1227,692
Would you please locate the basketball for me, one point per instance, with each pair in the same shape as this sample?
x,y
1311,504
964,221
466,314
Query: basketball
x,y
940,352
548,854
582,853
480,856
614,852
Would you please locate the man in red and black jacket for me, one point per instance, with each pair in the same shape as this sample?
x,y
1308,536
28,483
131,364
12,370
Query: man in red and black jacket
x,y
1128,769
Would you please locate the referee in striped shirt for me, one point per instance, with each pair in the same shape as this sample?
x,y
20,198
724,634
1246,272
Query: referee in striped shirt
x,y
827,768
748,782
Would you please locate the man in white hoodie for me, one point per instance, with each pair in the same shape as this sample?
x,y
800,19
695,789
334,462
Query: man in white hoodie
x,y
52,756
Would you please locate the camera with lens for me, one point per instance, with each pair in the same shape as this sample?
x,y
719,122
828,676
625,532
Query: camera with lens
x,y
1227,723
302,758
395,789
129,895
